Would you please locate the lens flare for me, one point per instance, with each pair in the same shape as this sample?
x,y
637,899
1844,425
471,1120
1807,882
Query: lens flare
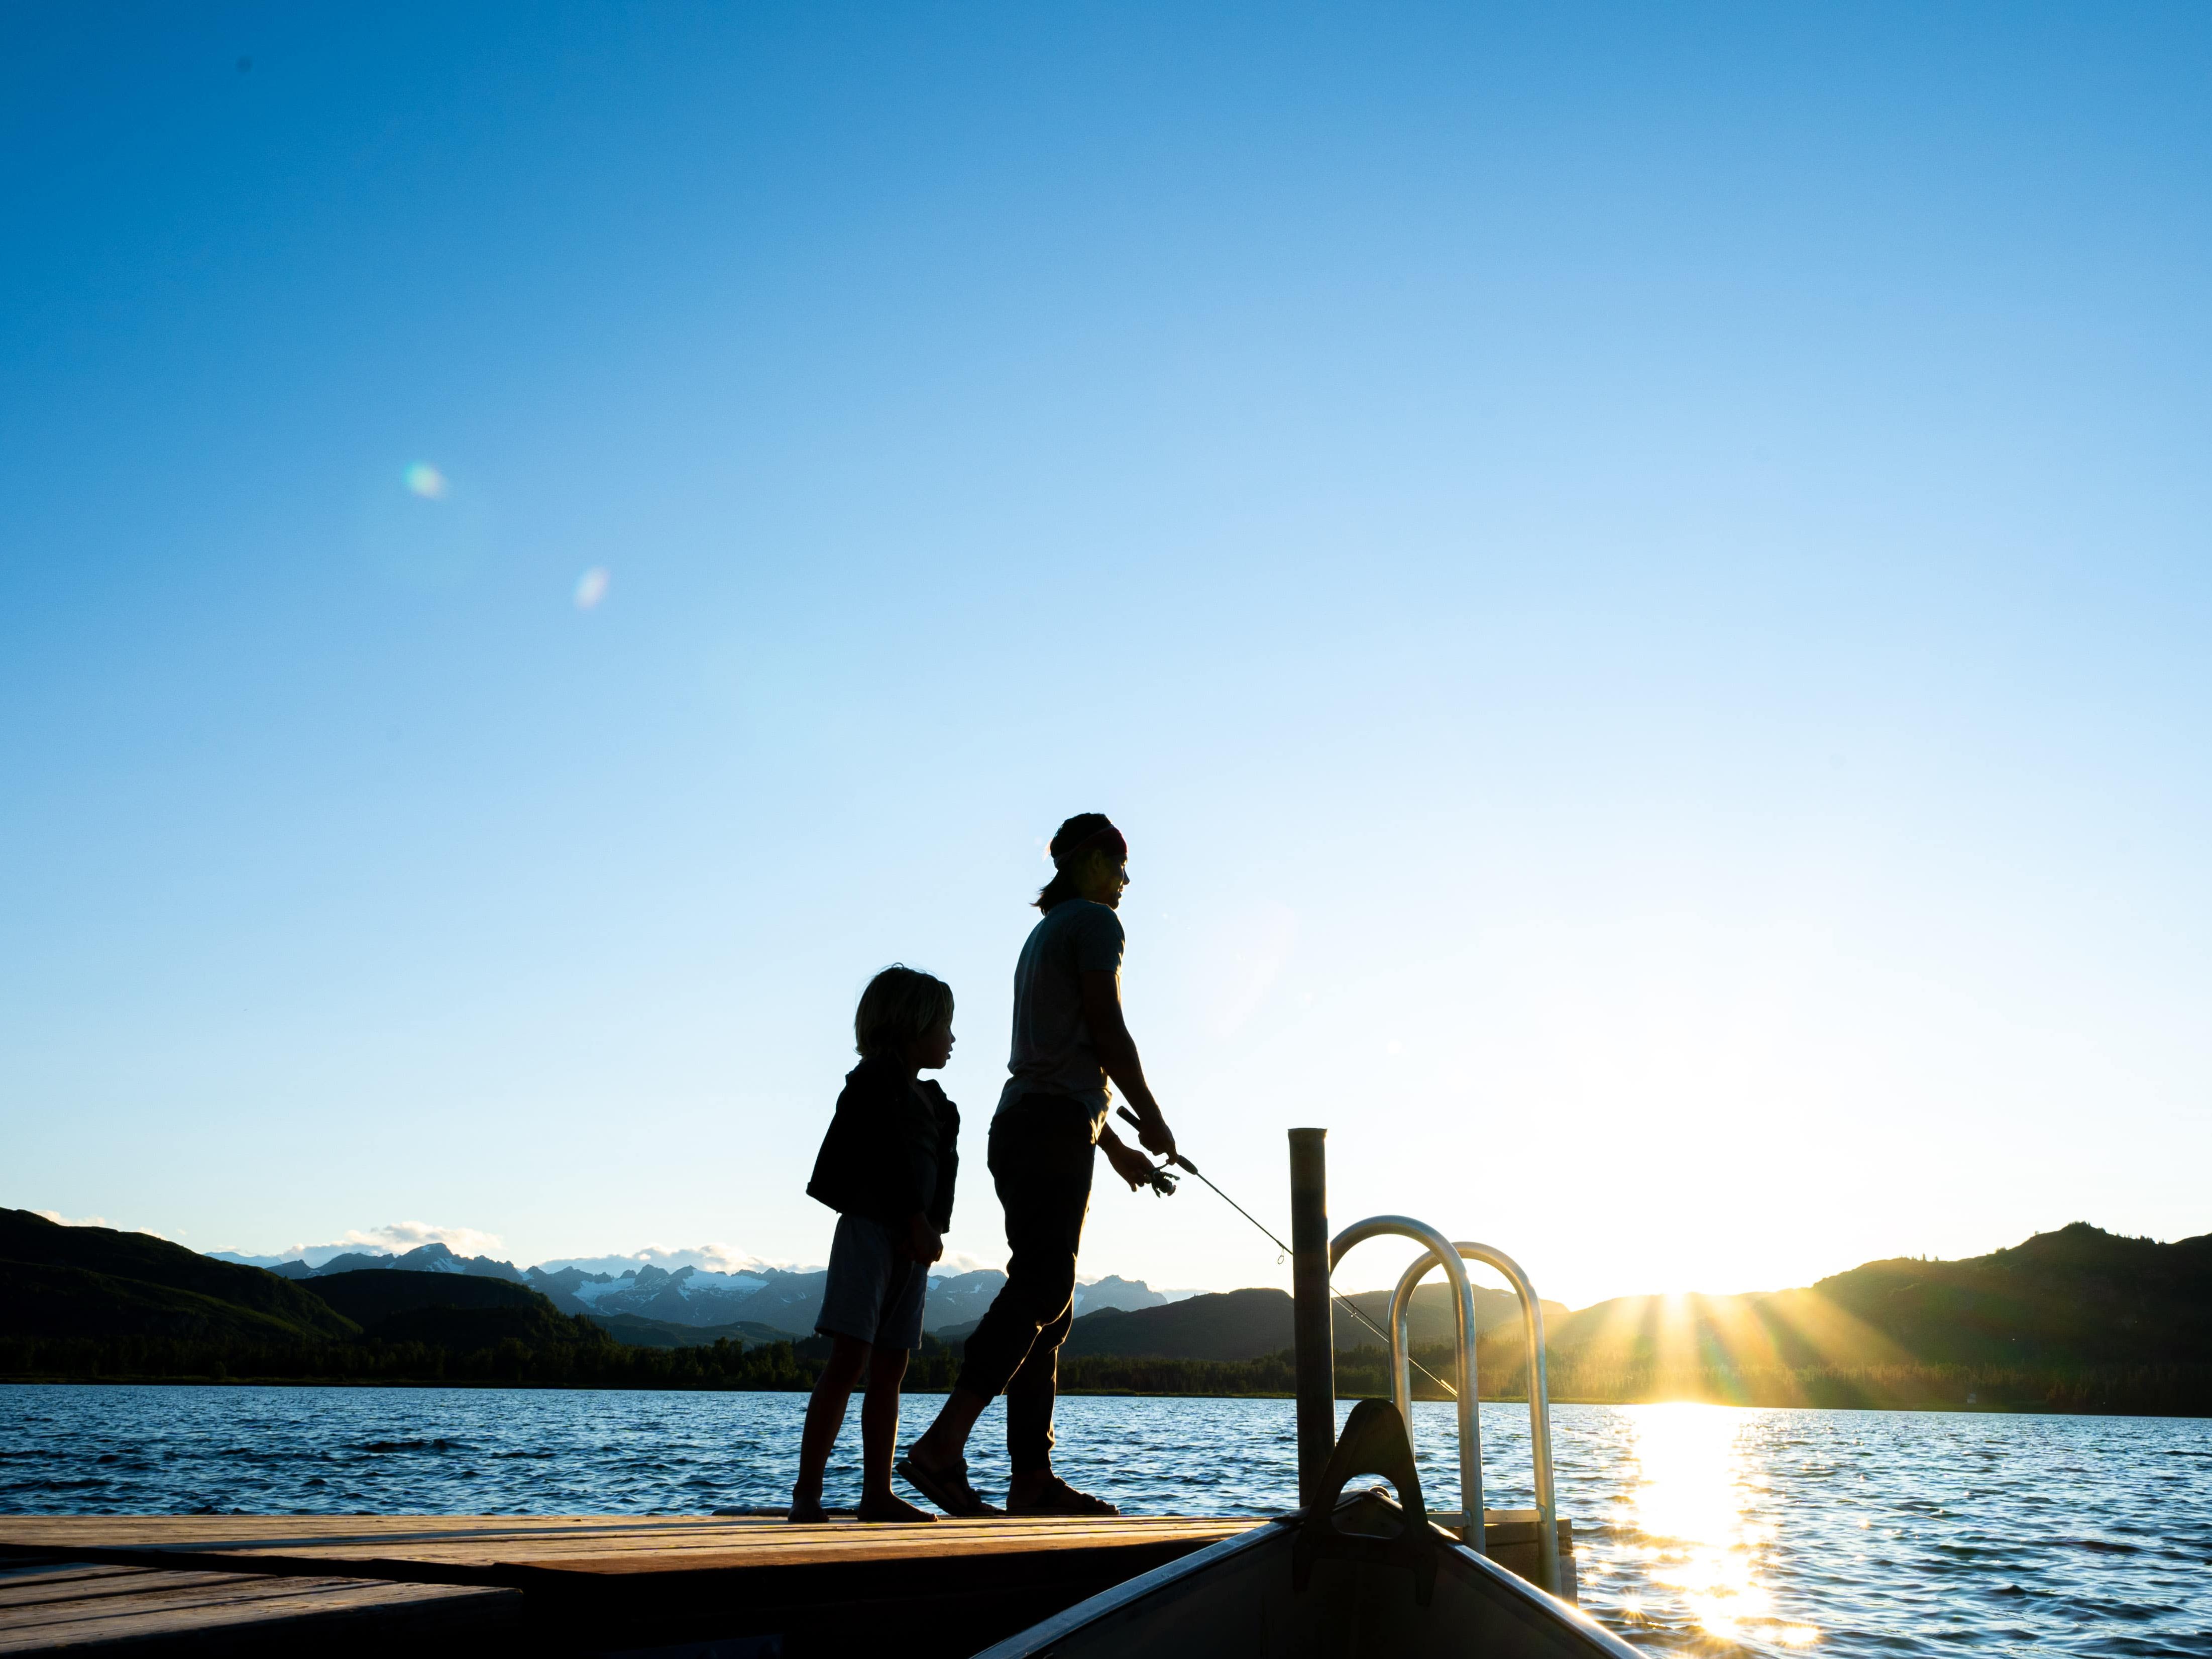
x,y
591,587
433,532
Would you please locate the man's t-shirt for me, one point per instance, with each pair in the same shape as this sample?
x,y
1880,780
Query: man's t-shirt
x,y
1052,1052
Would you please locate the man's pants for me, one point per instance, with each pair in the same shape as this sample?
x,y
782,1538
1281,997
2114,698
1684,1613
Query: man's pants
x,y
1041,1152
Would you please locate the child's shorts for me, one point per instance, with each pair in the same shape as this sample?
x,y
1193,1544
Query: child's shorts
x,y
874,1291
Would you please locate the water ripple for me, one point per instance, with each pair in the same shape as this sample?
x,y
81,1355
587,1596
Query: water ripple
x,y
1702,1531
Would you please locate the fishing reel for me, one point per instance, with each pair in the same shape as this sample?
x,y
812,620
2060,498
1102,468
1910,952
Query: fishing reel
x,y
1163,1180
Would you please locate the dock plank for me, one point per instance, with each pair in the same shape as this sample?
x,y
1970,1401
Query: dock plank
x,y
482,1549
595,1583
69,1608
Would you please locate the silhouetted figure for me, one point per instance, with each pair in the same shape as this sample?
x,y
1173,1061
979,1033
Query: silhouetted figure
x,y
1069,1040
887,1166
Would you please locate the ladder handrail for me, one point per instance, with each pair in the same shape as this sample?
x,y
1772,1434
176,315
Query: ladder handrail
x,y
1441,1249
1539,1402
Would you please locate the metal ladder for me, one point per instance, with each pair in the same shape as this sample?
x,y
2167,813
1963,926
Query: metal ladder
x,y
1308,1222
1540,1399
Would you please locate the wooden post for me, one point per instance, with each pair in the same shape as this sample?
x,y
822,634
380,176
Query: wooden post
x,y
1315,1337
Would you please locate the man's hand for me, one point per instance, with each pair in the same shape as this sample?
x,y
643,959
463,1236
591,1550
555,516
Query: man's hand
x,y
924,1242
1153,1132
1132,1165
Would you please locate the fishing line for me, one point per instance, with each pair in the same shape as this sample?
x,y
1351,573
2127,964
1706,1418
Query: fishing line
x,y
1164,1185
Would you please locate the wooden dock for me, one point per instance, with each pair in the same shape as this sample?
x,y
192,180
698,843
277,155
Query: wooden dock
x,y
637,1586
702,1588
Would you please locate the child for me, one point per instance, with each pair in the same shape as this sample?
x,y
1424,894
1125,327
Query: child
x,y
887,1167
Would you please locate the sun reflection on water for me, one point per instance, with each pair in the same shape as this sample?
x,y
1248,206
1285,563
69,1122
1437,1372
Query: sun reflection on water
x,y
1694,1531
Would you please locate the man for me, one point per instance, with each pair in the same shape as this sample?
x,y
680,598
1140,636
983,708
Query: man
x,y
1069,1041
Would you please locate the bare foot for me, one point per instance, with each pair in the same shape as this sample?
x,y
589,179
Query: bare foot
x,y
805,1510
891,1507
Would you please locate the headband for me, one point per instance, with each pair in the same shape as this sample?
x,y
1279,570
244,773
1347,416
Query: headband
x,y
1109,838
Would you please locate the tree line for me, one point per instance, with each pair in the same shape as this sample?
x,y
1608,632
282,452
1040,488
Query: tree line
x,y
2175,1390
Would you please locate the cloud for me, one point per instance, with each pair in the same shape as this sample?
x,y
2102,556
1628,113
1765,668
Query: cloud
x,y
401,1237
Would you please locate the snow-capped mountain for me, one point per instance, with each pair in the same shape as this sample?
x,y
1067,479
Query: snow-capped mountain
x,y
423,1259
959,1299
689,1296
694,1296
1127,1294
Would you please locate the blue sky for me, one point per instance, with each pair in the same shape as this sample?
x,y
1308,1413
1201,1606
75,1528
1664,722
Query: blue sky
x,y
1637,578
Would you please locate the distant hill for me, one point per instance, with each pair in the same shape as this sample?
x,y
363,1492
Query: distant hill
x,y
1232,1325
423,1259
448,1310
371,1295
1430,1316
536,1324
958,1299
2076,1296
658,1334
2066,1300
92,1302
1247,1324
98,1282
774,1298
2075,1320
786,1302
1111,1292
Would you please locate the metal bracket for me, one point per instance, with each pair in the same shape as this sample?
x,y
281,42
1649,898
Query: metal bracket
x,y
1374,1442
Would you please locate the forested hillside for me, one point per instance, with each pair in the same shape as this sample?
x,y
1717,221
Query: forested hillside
x,y
1246,1324
2076,1296
94,1302
2075,1319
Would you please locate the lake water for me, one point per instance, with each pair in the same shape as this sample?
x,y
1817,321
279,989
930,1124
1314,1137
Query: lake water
x,y
1699,1529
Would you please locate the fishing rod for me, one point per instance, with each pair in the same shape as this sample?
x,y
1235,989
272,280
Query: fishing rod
x,y
1164,1185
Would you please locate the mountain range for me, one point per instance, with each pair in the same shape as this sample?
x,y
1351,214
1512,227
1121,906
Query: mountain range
x,y
2059,1302
130,1300
2073,1321
771,1298
2073,1298
1247,1324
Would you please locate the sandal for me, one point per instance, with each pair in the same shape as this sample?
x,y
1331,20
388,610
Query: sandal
x,y
947,1488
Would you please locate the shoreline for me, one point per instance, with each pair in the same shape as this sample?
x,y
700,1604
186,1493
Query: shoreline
x,y
1949,1408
